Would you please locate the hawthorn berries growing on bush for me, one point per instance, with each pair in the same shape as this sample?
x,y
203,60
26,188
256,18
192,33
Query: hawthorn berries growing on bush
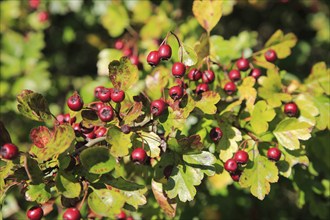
x,y
231,165
106,113
71,214
176,92
241,157
117,95
153,58
139,156
178,69
75,102
274,154
164,52
208,76
243,64
291,109
216,134
234,75
35,213
202,87
194,74
158,107
270,55
9,151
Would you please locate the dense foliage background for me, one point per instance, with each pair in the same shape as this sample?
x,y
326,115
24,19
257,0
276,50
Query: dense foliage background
x,y
70,47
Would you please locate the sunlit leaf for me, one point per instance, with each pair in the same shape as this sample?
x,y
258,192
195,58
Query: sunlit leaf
x,y
68,185
141,11
135,198
115,20
291,158
208,101
323,105
134,112
156,82
202,47
167,205
153,142
38,193
307,109
261,115
247,92
318,81
120,142
189,56
227,145
105,57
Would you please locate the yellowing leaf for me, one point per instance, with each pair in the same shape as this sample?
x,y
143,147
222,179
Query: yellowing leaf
x,y
261,114
291,158
202,47
208,101
307,109
39,193
68,185
289,131
119,141
189,56
115,20
167,205
247,92
227,145
323,105
259,176
153,142
208,13
319,81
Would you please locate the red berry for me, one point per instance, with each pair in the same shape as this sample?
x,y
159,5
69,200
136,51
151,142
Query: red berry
x,y
129,218
164,52
216,134
97,91
157,107
9,151
241,157
43,16
75,102
243,64
100,132
153,58
230,88
194,74
117,95
178,69
176,92
90,135
104,95
121,216
119,44
236,175
106,113
255,73
35,213
202,87
291,109
139,156
34,3
67,117
126,129
127,52
270,55
72,214
134,60
231,165
208,76
60,119
76,127
274,154
234,75
97,105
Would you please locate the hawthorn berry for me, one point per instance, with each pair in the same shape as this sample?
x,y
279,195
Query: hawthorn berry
x,y
176,92
119,44
157,107
97,90
216,134
127,52
236,175
134,60
178,69
243,64
129,218
104,95
121,215
274,154
234,75
117,95
35,213
255,73
71,214
9,151
43,16
139,156
270,55
202,87
291,109
97,105
126,129
100,132
230,88
76,127
153,58
194,74
106,113
75,102
164,52
60,119
208,76
241,157
34,3
90,135
231,165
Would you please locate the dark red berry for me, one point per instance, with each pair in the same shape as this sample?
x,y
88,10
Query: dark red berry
x,y
230,88
117,95
139,156
35,213
164,52
106,113
71,214
231,165
178,69
243,64
119,44
153,58
157,107
168,171
127,52
126,129
208,76
97,105
274,154
9,151
100,132
270,55
202,87
234,75
75,102
194,74
216,134
236,175
255,73
67,117
291,109
76,127
104,95
241,157
90,135
176,92
97,91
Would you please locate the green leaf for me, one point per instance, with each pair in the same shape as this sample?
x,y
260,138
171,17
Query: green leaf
x,y
189,56
105,57
68,185
135,198
123,74
141,11
202,47
33,106
289,131
60,142
189,144
182,183
38,193
271,89
156,82
34,170
291,158
207,13
120,142
115,20
208,101
221,50
106,202
227,145
307,109
153,141
97,160
247,92
318,81
156,26
204,158
323,105
120,183
259,176
168,206
261,114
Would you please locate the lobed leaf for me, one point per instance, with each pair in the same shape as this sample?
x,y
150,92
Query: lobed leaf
x,y
115,20
167,205
247,92
38,193
135,198
153,141
156,82
68,185
202,47
189,56
307,109
120,142
208,101
261,114
323,105
291,158
227,145
318,81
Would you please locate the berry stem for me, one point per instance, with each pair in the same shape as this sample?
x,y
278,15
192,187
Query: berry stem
x,y
180,45
85,195
26,167
165,39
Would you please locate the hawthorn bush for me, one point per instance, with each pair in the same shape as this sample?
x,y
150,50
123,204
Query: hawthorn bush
x,y
179,124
